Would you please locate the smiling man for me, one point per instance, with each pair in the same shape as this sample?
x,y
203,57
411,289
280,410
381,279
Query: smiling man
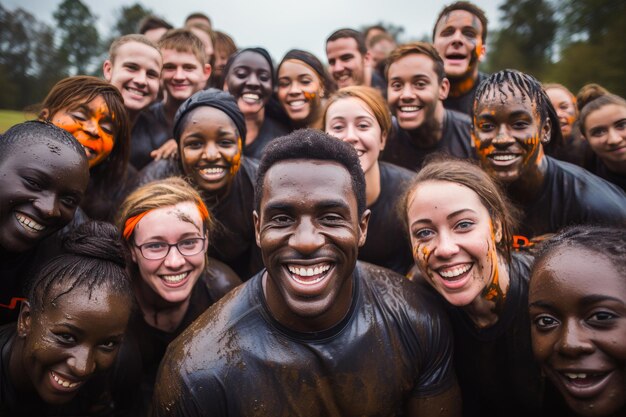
x,y
416,88
459,35
316,333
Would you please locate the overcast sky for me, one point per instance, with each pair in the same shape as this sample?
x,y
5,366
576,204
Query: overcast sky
x,y
278,25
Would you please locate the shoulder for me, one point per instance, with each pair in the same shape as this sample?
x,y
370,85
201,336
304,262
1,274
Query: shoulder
x,y
456,118
219,278
396,172
157,170
588,187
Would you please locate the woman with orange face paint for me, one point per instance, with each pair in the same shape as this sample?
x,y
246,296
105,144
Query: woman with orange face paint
x,y
461,226
93,111
211,134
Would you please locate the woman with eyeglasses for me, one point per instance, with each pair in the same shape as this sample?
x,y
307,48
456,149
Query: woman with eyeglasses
x,y
167,229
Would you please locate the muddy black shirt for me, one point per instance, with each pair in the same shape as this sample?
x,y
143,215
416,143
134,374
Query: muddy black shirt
x,y
597,166
570,196
270,130
232,240
495,365
150,131
465,102
237,360
401,149
387,241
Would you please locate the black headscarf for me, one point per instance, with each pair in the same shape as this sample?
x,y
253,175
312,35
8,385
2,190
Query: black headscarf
x,y
261,51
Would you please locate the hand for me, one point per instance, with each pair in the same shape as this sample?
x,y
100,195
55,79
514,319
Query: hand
x,y
168,150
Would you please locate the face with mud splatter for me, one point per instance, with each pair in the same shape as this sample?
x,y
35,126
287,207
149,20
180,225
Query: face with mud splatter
x,y
41,186
210,149
577,304
172,277
73,338
508,133
454,242
93,125
299,90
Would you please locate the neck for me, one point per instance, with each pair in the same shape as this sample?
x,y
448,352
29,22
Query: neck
x,y
486,309
372,184
157,312
430,132
254,122
527,187
463,85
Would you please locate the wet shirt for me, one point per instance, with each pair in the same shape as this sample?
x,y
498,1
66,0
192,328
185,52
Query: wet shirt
x,y
571,195
237,360
150,131
232,241
270,130
387,241
465,102
401,149
495,365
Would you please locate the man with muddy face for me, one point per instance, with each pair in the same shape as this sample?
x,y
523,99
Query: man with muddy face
x,y
315,333
416,89
459,36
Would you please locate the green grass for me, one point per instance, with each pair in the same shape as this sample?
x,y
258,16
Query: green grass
x,y
9,118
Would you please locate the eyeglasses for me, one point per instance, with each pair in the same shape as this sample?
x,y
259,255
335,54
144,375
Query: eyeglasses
x,y
159,250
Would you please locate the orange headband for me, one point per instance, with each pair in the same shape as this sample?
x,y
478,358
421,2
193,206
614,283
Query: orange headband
x,y
131,223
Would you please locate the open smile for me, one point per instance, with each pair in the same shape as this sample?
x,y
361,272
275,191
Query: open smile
x,y
584,384
455,276
136,92
63,383
213,173
504,159
29,224
175,280
309,280
296,104
456,58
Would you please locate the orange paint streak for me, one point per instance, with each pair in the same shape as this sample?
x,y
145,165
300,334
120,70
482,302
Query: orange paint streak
x,y
493,292
235,162
13,303
309,96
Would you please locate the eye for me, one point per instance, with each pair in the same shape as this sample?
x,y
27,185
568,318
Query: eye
x,y
464,225
545,322
331,218
486,126
621,125
602,318
107,128
264,77
283,83
364,125
281,219
395,86
33,184
154,246
193,144
79,115
420,84
71,202
469,34
110,345
65,338
227,143
337,128
520,125
423,234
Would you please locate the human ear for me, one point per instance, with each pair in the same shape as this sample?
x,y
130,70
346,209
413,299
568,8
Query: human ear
x,y
546,131
363,223
444,89
497,230
107,69
207,71
257,231
383,141
45,114
24,320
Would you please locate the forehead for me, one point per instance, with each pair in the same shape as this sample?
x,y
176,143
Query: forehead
x,y
506,98
252,60
558,94
342,46
205,118
606,114
170,220
459,19
432,198
303,182
137,51
294,66
349,106
175,56
411,65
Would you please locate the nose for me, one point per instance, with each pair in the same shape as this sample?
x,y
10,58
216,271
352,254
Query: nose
x,y
457,37
615,137
47,205
140,78
407,93
446,246
336,67
350,134
253,80
179,74
211,152
81,362
294,89
306,239
174,258
573,342
503,139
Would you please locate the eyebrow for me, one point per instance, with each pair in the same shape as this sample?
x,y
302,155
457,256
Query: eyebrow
x,y
448,217
585,301
324,205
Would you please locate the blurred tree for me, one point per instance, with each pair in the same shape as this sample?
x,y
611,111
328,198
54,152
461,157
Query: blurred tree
x,y
526,38
79,38
128,18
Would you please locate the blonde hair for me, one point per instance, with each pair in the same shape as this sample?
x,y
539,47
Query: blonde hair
x,y
371,97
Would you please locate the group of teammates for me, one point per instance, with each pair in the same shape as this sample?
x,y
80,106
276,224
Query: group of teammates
x,y
513,299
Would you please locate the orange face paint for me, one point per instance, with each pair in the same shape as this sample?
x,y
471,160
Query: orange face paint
x,y
309,96
493,291
235,162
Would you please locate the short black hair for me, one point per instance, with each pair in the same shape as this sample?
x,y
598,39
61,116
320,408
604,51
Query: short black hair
x,y
468,7
314,145
350,33
151,22
606,241
25,134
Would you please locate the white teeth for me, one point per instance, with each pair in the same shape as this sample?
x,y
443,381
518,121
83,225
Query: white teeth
x,y
308,272
575,376
251,96
29,223
174,278
456,271
503,157
297,103
409,108
135,91
64,383
209,171
360,152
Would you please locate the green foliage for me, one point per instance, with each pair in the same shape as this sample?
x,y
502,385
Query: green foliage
x,y
80,41
129,17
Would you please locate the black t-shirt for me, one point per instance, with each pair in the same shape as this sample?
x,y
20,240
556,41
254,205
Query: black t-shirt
x,y
233,241
379,83
465,102
401,149
597,166
571,195
495,365
387,241
270,130
237,360
150,131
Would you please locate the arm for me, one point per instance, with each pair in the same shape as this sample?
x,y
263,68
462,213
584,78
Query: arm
x,y
446,404
168,150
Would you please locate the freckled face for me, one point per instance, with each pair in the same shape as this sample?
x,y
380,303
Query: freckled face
x,y
299,90
210,149
458,39
565,107
71,340
173,277
93,125
577,304
453,241
605,130
508,133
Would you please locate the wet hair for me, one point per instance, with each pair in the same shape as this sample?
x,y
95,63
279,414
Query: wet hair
x,y
133,37
257,50
151,22
422,48
468,7
185,41
350,33
312,144
609,242
81,89
314,63
93,257
596,104
509,83
466,173
589,92
199,15
158,194
22,135
372,99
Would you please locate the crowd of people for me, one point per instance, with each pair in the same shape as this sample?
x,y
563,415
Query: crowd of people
x,y
201,232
